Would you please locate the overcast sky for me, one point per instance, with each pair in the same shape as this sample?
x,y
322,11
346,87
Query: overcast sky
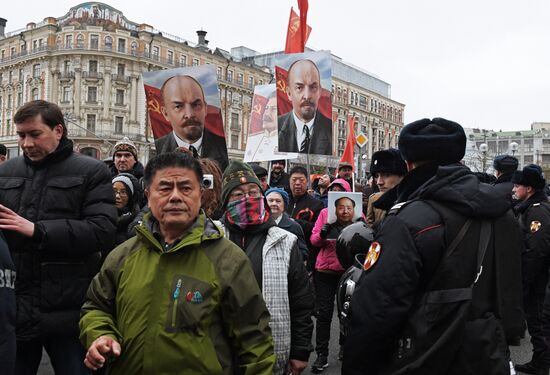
x,y
482,63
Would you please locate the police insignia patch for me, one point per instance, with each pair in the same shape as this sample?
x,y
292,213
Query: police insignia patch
x,y
535,226
372,255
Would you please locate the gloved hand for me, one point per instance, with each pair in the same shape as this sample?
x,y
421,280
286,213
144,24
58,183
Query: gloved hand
x,y
324,231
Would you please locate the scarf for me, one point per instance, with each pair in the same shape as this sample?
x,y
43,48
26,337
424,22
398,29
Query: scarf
x,y
246,212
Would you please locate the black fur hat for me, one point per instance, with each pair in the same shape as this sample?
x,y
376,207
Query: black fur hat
x,y
388,161
505,163
531,175
438,140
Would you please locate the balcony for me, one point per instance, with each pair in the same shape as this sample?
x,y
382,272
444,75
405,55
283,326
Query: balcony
x,y
66,76
121,78
92,76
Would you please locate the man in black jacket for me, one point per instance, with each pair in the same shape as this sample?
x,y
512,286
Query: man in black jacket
x,y
505,166
7,309
414,310
58,215
277,265
534,219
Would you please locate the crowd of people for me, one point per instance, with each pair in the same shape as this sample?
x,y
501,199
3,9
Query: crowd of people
x,y
180,266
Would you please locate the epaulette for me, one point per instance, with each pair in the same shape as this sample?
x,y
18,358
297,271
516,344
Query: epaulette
x,y
396,207
536,204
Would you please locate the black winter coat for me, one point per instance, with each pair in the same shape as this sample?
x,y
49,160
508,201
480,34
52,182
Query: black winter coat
x,y
69,198
7,310
412,242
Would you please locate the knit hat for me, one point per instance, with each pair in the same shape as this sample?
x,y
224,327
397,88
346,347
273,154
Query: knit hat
x,y
439,140
259,170
127,145
279,191
388,161
531,175
132,186
237,173
505,163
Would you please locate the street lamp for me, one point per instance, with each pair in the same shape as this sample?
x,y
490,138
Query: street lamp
x,y
483,148
513,147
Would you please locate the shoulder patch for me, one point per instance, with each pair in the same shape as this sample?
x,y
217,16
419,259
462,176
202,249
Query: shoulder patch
x,y
535,226
536,204
372,255
396,207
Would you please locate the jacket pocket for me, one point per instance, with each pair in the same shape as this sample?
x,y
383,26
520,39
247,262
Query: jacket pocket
x,y
63,285
11,189
63,196
190,304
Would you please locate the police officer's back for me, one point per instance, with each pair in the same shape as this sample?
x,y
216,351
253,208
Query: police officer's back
x,y
414,310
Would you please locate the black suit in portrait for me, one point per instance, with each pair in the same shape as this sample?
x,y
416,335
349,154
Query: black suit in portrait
x,y
321,140
213,147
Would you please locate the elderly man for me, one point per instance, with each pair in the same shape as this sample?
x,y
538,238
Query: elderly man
x,y
277,264
125,159
58,214
178,297
431,298
304,129
184,107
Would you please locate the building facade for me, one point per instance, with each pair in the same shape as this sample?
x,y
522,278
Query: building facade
x,y
90,61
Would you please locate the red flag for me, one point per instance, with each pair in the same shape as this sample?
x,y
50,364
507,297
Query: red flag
x,y
294,42
348,155
303,5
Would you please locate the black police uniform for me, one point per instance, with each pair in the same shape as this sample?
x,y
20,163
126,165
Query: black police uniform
x,y
534,219
413,240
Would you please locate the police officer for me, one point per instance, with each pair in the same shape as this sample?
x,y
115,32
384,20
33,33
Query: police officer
x,y
505,166
416,309
534,218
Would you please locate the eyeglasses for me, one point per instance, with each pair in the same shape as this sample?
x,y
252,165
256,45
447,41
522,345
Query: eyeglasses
x,y
122,193
241,194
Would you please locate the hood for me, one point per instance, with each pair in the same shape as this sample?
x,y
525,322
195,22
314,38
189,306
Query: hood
x,y
341,182
458,188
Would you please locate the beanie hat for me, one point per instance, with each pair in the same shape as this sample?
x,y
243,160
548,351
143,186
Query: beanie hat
x,y
505,163
279,191
388,161
237,173
439,140
127,145
259,170
531,175
132,186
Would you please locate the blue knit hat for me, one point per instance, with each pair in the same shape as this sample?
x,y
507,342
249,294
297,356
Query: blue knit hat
x,y
280,191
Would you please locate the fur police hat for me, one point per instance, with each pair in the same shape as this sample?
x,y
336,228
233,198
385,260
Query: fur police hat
x,y
237,173
125,144
439,140
531,175
505,163
388,161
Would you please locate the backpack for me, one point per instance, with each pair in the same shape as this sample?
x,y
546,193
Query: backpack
x,y
449,330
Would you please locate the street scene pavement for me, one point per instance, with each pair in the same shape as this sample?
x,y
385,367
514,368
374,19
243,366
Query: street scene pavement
x,y
520,354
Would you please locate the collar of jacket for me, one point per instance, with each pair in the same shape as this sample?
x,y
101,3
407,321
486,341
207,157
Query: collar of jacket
x,y
63,151
506,177
414,180
539,196
203,229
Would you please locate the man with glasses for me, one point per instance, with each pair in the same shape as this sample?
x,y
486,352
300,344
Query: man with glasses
x,y
277,265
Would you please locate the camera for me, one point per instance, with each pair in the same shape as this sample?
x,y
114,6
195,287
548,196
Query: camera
x,y
208,181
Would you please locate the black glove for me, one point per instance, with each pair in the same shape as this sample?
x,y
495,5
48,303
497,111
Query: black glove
x,y
324,231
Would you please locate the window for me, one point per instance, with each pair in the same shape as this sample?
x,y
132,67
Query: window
x,y
19,98
134,48
68,41
10,76
66,66
121,45
219,72
80,41
3,54
240,78
35,94
36,70
156,52
195,62
118,124
9,103
183,60
92,94
90,151
40,42
1,78
170,57
108,43
8,126
13,51
66,94
261,82
229,76
250,82
92,66
120,70
20,75
90,123
119,97
94,41
234,141
235,122
34,45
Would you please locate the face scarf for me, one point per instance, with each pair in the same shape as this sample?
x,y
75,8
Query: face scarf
x,y
246,212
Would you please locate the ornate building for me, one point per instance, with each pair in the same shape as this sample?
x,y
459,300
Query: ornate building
x,y
90,62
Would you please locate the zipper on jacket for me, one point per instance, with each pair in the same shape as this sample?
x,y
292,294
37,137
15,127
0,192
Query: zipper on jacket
x,y
175,296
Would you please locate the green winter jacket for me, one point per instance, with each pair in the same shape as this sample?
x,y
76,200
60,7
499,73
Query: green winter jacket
x,y
194,309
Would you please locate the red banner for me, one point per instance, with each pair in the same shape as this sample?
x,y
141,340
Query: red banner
x,y
256,118
294,34
348,155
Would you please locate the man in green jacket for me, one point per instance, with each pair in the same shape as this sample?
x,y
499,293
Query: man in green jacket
x,y
178,298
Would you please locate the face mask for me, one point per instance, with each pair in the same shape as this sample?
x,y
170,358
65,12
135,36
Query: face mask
x,y
246,212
